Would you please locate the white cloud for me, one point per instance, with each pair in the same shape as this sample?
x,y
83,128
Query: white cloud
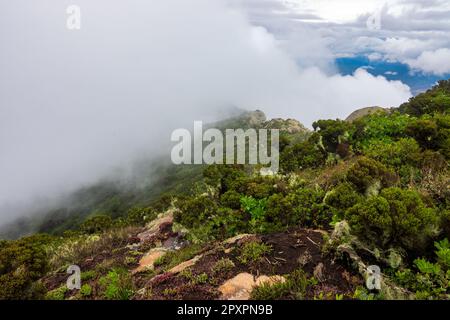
x,y
408,29
436,62
75,106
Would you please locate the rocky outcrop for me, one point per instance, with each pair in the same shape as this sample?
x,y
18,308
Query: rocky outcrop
x,y
156,226
147,262
290,126
240,287
355,115
184,265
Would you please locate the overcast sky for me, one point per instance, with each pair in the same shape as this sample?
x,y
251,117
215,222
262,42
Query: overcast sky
x,y
76,105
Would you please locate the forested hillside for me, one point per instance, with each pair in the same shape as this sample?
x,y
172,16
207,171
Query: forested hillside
x,y
372,190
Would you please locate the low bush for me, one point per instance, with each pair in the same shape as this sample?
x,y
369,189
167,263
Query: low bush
x,y
394,218
97,224
253,252
369,176
117,285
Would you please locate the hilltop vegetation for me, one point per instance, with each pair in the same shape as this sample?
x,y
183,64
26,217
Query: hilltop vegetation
x,y
375,190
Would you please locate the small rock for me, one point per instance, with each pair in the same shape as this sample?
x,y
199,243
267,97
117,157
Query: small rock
x,y
319,272
238,288
184,265
235,239
305,258
147,262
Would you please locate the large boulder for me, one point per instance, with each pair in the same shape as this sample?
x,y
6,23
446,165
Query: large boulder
x,y
360,113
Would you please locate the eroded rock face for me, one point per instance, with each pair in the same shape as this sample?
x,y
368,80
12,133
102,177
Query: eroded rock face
x,y
155,227
184,265
319,272
147,262
240,287
237,238
291,126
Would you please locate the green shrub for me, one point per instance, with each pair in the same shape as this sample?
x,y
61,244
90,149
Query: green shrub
x,y
443,253
259,187
225,177
96,224
57,294
224,224
294,287
343,197
88,275
223,265
394,218
278,214
86,290
257,210
308,208
22,263
396,154
425,132
306,154
367,174
432,280
231,199
381,127
117,285
437,99
253,252
332,133
195,211
139,216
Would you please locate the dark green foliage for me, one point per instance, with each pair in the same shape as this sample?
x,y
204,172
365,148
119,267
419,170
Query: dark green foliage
x,y
309,210
366,173
22,262
96,224
429,280
332,132
304,207
437,99
424,131
196,211
394,218
343,197
225,177
138,215
253,252
227,223
293,288
117,285
307,154
259,187
231,199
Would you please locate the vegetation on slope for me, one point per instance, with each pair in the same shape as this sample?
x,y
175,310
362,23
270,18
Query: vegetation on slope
x,y
384,176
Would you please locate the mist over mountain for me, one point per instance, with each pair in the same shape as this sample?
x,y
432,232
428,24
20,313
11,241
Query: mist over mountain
x,y
99,124
78,106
